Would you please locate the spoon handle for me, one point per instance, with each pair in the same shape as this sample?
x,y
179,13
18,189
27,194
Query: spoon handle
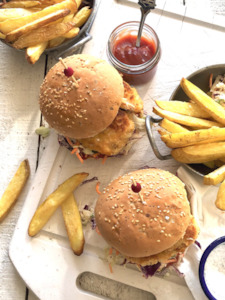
x,y
144,13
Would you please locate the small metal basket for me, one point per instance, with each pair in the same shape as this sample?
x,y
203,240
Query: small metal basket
x,y
201,79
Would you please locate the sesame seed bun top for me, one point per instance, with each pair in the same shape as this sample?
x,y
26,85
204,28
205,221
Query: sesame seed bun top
x,y
85,108
144,224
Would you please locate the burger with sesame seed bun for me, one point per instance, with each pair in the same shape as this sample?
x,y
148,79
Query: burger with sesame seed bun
x,y
87,102
145,216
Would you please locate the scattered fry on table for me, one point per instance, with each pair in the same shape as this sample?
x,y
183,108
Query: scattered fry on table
x,y
14,189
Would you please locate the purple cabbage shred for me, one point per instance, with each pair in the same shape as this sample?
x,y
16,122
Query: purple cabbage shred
x,y
150,270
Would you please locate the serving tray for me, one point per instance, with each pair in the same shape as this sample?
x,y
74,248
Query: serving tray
x,y
46,263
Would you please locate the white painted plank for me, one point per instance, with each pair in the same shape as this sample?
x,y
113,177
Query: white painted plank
x,y
19,88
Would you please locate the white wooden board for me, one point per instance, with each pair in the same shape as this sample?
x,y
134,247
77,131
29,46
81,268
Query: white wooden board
x,y
46,262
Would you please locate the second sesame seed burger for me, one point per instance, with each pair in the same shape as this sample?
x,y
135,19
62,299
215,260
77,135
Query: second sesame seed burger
x,y
86,100
145,215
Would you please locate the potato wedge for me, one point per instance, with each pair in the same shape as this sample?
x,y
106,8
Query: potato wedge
x,y
14,189
15,34
81,16
186,120
12,13
8,26
220,199
20,4
201,136
34,53
172,127
42,34
72,219
215,177
216,111
199,153
183,108
53,201
60,39
72,33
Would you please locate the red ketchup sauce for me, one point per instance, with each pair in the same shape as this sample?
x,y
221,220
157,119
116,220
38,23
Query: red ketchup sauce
x,y
125,49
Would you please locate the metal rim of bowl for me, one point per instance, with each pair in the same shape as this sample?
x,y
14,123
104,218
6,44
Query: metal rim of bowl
x,y
203,260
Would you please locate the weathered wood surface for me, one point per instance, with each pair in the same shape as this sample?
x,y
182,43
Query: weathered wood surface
x,y
19,89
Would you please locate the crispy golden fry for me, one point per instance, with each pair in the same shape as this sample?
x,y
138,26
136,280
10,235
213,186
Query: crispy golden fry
x,y
81,16
42,34
15,34
199,153
11,13
202,136
34,53
8,26
215,177
172,127
2,36
72,33
210,164
14,189
49,206
78,3
186,120
216,111
183,108
220,199
20,4
163,131
73,224
60,39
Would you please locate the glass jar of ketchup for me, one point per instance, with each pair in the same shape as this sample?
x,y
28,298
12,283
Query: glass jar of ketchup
x,y
137,64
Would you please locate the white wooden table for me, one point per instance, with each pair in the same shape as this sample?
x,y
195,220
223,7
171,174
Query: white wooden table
x,y
190,40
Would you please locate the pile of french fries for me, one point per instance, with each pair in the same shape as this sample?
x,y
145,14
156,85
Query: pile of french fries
x,y
195,131
62,197
38,25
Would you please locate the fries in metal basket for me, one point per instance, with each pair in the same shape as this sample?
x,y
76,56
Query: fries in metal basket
x,y
53,201
14,189
30,24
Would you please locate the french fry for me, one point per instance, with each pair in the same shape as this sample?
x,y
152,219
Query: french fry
x,y
60,39
2,36
186,120
14,189
8,26
73,224
202,136
53,201
220,199
215,110
12,13
81,16
72,33
34,53
183,108
199,153
215,177
162,131
15,34
172,127
210,164
20,4
78,3
42,34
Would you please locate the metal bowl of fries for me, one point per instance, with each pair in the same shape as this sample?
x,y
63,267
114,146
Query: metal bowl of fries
x,y
46,26
180,116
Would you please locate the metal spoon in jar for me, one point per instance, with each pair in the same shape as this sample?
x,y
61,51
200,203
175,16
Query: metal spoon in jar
x,y
146,6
